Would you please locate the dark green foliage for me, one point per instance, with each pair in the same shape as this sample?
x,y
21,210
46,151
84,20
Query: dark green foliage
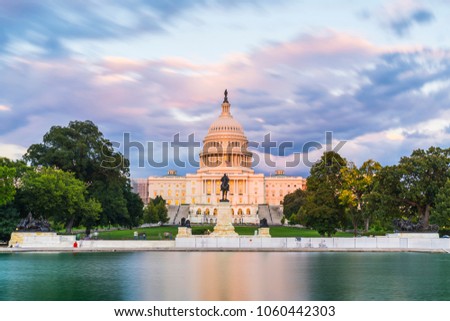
x,y
156,211
410,189
293,219
110,195
82,149
79,148
322,210
292,203
355,193
56,195
7,190
10,172
9,218
135,207
441,212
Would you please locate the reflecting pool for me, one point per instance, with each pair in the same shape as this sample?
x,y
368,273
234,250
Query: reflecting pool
x,y
224,276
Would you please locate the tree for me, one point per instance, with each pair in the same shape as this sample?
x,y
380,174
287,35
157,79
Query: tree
x,y
383,202
57,195
292,202
357,185
322,210
161,209
293,219
424,173
9,218
90,210
413,185
82,149
135,207
7,189
156,211
79,148
441,212
150,213
114,204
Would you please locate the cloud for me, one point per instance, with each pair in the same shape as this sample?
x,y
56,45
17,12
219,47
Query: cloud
x,y
12,151
378,99
48,29
5,108
401,25
401,16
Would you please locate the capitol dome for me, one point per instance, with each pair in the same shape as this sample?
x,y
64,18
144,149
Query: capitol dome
x,y
225,145
226,123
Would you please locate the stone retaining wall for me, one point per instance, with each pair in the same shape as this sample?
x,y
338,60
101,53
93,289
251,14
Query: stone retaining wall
x,y
132,244
62,242
362,243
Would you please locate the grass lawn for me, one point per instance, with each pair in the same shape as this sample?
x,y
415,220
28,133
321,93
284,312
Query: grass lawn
x,y
158,233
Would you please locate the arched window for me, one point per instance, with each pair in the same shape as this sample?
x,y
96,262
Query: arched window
x,y
248,211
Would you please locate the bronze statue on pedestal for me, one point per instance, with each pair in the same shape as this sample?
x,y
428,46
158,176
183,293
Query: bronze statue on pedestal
x,y
224,187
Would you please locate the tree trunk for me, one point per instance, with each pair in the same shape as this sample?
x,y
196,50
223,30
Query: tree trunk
x,y
366,224
69,225
355,227
88,230
426,216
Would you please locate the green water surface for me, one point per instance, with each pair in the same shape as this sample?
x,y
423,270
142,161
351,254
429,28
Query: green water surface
x,y
224,276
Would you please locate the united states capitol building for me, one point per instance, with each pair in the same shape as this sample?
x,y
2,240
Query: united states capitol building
x,y
253,196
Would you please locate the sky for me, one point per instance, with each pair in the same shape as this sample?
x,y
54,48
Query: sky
x,y
375,74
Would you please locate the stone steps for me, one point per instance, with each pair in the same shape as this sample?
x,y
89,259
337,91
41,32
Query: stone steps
x,y
263,212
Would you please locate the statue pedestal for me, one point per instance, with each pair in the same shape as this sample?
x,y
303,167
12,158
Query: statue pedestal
x,y
184,232
264,232
224,228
